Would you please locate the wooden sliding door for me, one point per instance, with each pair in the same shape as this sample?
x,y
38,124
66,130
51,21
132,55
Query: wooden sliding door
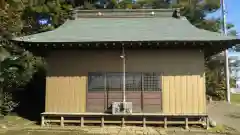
x,y
142,89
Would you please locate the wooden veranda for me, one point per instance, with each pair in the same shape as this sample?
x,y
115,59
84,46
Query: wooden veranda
x,y
142,119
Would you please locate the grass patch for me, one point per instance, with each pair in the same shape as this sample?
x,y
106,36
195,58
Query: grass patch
x,y
235,98
15,121
222,129
24,132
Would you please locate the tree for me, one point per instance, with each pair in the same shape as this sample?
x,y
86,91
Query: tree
x,y
196,12
55,11
16,64
17,67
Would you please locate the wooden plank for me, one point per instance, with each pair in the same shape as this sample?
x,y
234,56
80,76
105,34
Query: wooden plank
x,y
186,123
72,121
144,121
133,122
172,94
165,122
105,93
95,94
195,98
152,101
73,95
152,108
82,121
42,121
113,122
64,98
142,90
154,122
152,94
107,114
83,92
201,95
78,97
95,108
136,101
184,94
204,95
47,94
178,91
123,121
115,94
102,121
165,95
95,101
207,122
176,122
189,95
133,94
53,121
62,121
92,121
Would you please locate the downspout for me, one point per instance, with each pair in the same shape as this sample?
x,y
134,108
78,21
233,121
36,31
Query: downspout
x,y
124,74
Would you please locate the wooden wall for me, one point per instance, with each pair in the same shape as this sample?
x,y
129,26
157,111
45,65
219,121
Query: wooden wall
x,y
184,94
182,81
142,101
65,94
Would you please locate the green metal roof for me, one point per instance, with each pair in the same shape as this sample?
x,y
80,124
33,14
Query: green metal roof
x,y
126,29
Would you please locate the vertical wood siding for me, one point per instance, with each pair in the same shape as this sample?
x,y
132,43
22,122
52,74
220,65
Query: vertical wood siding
x,y
184,95
65,94
183,80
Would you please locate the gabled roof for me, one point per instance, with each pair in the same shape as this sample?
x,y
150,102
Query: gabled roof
x,y
117,29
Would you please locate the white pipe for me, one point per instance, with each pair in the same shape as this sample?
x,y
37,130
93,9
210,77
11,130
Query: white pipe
x,y
226,51
124,75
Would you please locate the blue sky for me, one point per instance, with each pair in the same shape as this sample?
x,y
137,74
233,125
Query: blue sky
x,y
233,13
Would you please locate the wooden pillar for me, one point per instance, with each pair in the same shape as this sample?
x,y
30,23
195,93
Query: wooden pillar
x,y
82,121
105,93
62,121
123,121
42,120
207,122
142,92
102,121
144,121
186,123
165,122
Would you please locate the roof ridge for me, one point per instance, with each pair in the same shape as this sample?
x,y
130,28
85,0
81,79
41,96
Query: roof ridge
x,y
123,13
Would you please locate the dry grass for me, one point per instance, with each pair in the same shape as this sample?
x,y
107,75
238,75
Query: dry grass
x,y
235,98
24,132
222,129
18,126
15,121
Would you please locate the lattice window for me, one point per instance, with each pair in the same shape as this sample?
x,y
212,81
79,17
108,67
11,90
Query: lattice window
x,y
151,82
114,81
133,81
96,81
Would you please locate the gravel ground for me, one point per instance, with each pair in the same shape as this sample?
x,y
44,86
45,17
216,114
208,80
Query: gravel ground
x,y
224,113
112,131
221,112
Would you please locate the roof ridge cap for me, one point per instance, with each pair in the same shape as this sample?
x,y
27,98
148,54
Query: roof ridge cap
x,y
126,10
123,13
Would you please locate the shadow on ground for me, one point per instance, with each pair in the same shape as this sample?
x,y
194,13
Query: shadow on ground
x,y
234,115
32,98
224,113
